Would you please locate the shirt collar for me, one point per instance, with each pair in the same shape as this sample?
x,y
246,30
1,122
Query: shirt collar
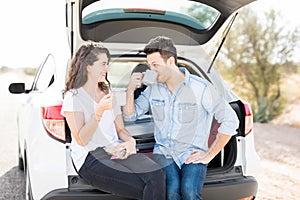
x,y
186,78
187,75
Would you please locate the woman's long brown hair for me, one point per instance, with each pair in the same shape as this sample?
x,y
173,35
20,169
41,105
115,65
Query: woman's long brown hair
x,y
86,55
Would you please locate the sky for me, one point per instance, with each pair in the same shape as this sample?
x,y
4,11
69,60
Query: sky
x,y
33,28
30,30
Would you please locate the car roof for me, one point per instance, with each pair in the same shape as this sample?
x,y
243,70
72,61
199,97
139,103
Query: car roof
x,y
131,28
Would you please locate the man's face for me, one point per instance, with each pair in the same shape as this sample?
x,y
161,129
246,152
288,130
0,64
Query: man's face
x,y
159,65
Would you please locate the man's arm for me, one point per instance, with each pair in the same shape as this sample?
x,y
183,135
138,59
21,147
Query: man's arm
x,y
128,108
216,106
198,156
135,80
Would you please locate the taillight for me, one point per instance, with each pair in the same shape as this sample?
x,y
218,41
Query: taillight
x,y
248,118
53,122
247,198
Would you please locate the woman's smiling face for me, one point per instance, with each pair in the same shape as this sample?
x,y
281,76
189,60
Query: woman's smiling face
x,y
100,68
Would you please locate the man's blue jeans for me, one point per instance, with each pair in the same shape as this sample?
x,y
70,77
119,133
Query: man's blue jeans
x,y
185,183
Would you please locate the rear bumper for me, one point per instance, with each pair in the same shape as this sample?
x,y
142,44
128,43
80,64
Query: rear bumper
x,y
65,194
226,190
231,189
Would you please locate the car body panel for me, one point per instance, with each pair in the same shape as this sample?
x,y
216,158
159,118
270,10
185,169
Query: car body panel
x,y
41,160
248,156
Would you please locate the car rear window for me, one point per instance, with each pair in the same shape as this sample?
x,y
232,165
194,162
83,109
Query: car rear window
x,y
189,13
120,72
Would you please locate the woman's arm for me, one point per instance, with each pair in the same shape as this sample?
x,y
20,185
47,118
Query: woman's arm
x,y
80,131
129,142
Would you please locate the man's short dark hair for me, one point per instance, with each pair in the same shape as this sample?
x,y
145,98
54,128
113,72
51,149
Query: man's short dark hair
x,y
164,45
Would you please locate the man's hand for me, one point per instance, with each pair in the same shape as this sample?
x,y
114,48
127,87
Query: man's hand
x,y
135,81
198,156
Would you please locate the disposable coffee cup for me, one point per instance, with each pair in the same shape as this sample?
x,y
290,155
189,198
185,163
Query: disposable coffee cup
x,y
119,95
149,77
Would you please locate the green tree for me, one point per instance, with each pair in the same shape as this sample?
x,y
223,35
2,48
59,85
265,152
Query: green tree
x,y
257,49
203,14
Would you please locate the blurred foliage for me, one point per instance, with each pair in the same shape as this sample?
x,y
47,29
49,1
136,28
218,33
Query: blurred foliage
x,y
27,71
291,68
30,71
4,69
203,14
256,54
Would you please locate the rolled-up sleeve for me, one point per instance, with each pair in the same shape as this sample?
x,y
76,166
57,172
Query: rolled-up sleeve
x,y
218,107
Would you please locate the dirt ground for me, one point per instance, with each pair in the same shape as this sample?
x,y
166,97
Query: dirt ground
x,y
277,145
279,149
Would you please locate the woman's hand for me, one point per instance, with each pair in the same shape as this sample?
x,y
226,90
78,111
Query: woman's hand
x,y
129,147
106,103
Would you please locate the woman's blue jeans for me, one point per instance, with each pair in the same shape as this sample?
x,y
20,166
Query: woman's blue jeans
x,y
185,183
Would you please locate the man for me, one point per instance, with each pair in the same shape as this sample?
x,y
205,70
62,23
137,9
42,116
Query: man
x,y
182,106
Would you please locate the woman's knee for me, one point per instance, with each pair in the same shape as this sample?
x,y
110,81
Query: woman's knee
x,y
155,185
158,178
160,173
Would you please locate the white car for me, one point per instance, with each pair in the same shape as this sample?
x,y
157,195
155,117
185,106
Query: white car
x,y
198,28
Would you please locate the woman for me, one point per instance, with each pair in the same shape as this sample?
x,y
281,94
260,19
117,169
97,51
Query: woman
x,y
102,150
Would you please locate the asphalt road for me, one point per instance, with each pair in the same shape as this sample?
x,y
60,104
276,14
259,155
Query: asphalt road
x,y
12,183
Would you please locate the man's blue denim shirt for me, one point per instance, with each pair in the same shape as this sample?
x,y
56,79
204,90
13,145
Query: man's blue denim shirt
x,y
183,119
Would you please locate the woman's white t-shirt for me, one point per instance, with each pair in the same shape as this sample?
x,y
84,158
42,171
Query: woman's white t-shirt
x,y
78,100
